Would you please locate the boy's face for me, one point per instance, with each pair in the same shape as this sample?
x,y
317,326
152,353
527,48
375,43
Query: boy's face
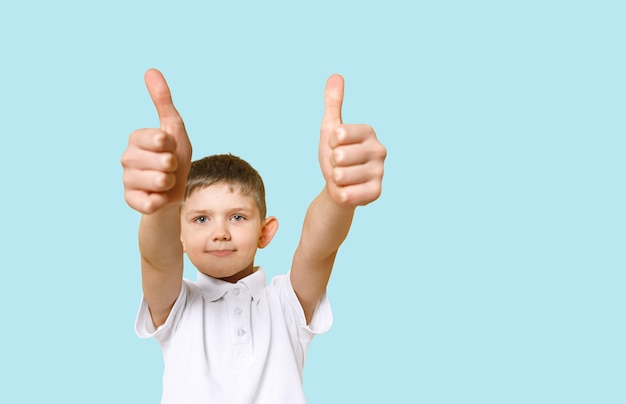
x,y
221,231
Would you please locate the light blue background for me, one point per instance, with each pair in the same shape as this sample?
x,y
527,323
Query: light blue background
x,y
492,269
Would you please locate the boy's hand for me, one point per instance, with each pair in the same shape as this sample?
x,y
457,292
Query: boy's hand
x,y
157,161
351,157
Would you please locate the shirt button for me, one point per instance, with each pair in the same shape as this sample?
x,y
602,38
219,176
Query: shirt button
x,y
238,311
236,291
241,332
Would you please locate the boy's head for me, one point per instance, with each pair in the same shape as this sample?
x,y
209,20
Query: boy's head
x,y
223,219
231,170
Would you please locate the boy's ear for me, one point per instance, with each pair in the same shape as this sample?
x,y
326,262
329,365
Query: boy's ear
x,y
268,229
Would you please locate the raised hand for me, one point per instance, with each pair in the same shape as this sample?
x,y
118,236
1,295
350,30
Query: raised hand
x,y
156,161
350,156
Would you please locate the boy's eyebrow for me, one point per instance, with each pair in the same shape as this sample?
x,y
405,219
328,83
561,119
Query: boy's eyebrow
x,y
206,211
243,209
196,211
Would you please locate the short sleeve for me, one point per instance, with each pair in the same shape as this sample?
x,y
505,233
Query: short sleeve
x,y
144,327
322,317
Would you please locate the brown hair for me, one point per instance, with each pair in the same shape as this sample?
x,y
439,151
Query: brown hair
x,y
229,169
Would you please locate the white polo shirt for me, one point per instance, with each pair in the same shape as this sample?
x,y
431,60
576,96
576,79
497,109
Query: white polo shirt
x,y
235,343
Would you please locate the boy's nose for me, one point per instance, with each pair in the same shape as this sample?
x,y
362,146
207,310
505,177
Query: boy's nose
x,y
220,233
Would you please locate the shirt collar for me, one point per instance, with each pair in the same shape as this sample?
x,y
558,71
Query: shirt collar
x,y
214,288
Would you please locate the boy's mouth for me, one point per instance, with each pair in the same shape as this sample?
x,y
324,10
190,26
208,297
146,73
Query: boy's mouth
x,y
221,253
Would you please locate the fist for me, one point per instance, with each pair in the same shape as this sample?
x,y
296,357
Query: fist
x,y
351,157
156,161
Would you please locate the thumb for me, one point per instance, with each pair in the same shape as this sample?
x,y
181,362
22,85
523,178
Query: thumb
x,y
169,118
333,99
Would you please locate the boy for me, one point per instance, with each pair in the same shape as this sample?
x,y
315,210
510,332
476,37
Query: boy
x,y
229,338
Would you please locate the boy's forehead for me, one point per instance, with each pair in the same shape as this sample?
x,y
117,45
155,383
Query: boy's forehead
x,y
231,187
218,193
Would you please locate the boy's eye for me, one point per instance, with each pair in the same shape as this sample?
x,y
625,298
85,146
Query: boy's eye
x,y
237,218
200,219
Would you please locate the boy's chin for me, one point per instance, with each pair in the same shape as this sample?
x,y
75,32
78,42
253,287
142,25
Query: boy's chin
x,y
231,276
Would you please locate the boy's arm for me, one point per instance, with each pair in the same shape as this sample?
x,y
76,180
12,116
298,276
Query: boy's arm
x,y
352,162
156,163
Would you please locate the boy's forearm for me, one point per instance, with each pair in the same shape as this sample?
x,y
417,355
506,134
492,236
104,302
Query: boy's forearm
x,y
326,226
159,238
161,260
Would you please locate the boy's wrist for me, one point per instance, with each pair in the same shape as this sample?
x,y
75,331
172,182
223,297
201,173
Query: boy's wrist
x,y
334,200
169,211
